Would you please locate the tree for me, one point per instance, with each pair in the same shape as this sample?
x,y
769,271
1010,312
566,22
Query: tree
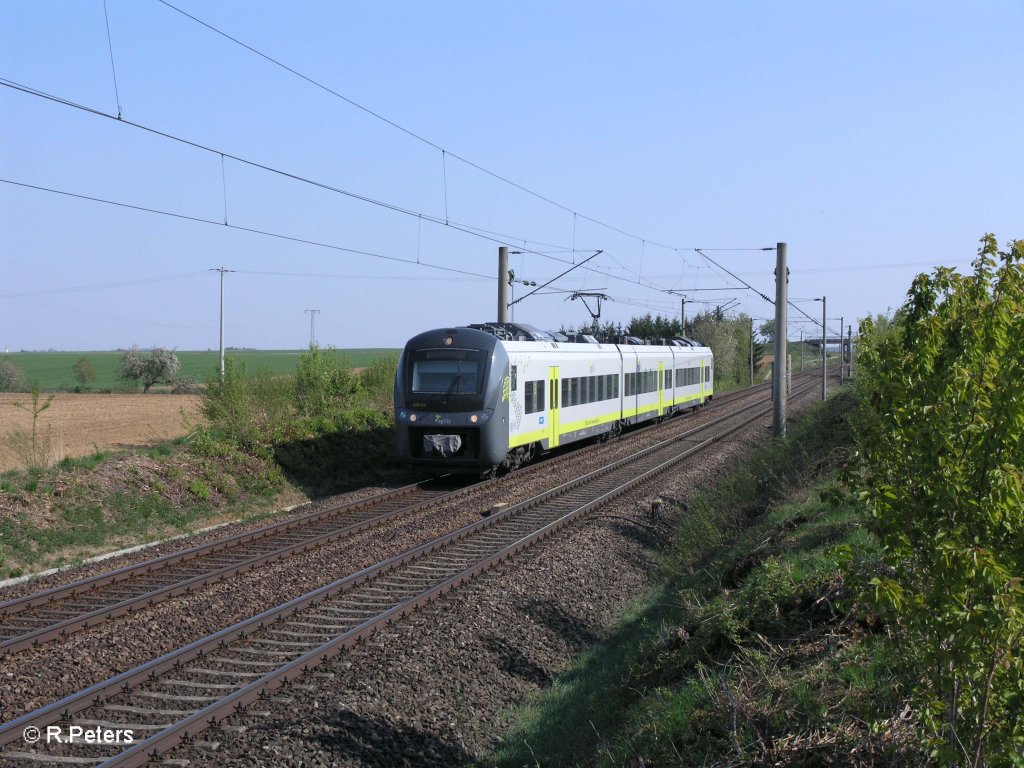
x,y
767,330
84,372
11,378
148,368
758,352
941,445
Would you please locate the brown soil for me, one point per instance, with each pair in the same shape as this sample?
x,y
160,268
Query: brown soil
x,y
79,424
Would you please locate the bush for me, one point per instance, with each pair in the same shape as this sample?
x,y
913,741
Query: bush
x,y
379,382
11,377
187,386
324,384
941,436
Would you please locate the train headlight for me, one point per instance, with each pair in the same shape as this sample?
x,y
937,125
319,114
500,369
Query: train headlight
x,y
474,419
412,417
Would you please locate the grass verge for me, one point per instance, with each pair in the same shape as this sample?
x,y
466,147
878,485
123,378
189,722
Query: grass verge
x,y
98,503
754,649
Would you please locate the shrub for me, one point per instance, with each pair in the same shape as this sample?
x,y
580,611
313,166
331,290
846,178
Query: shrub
x,y
187,386
379,381
941,437
11,377
323,383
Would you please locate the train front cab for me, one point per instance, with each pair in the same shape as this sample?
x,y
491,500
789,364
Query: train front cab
x,y
451,401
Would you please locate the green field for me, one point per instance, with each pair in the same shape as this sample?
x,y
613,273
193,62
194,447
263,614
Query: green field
x,y
54,370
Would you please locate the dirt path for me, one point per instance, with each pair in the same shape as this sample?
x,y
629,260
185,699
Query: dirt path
x,y
79,424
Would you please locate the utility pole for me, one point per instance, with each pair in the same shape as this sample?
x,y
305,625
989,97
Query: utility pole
x,y
842,351
222,270
503,284
801,351
824,352
849,347
312,319
751,351
781,321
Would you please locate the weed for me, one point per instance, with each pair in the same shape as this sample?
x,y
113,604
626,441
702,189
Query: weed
x,y
198,487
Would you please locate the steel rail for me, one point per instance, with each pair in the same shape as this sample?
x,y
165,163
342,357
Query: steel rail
x,y
23,637
172,735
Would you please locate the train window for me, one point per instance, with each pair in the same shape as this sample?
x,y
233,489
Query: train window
x,y
566,400
600,388
668,379
534,396
515,384
445,376
707,373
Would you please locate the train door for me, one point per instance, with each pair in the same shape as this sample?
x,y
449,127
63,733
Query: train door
x,y
701,382
661,388
553,390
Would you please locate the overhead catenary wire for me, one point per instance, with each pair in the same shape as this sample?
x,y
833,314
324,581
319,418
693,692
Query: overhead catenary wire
x,y
113,70
103,286
467,229
251,230
403,129
419,137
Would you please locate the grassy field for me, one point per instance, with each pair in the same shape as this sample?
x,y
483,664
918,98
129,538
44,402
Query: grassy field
x,y
54,370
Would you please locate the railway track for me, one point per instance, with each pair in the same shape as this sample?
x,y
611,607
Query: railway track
x,y
52,614
172,699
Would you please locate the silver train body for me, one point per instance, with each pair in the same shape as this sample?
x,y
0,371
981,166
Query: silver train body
x,y
468,400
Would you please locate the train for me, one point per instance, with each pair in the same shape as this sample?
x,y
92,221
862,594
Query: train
x,y
491,397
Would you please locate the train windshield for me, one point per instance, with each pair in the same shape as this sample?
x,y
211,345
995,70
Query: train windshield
x,y
447,372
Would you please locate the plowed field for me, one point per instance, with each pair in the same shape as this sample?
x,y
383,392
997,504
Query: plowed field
x,y
79,424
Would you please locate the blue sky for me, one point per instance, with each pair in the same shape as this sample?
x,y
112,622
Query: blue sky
x,y
875,138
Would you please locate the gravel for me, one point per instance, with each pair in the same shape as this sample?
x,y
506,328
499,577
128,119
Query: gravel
x,y
437,689
483,648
